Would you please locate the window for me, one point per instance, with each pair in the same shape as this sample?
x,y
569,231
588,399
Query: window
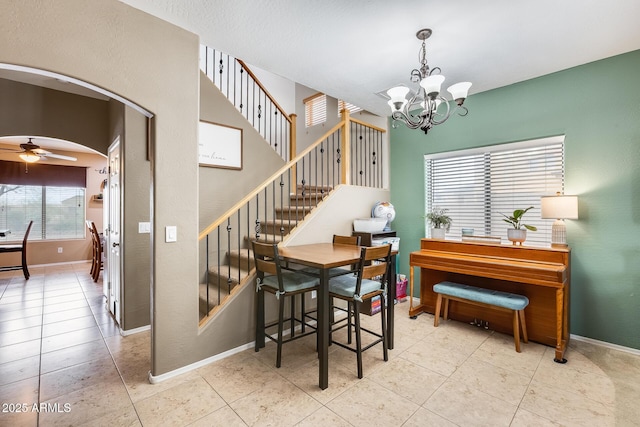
x,y
315,110
479,185
57,212
344,104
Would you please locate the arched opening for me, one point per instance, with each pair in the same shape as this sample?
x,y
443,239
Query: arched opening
x,y
69,118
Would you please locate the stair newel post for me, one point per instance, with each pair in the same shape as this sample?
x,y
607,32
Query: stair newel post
x,y
273,207
322,151
281,208
346,147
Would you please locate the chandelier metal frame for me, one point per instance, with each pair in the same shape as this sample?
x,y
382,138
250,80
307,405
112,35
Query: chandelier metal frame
x,y
423,110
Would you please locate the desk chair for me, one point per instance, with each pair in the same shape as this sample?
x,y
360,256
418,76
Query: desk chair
x,y
369,281
18,248
282,283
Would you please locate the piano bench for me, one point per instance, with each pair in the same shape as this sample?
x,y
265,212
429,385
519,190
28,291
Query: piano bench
x,y
484,298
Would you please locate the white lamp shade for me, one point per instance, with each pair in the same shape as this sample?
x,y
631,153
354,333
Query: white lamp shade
x,y
559,207
459,90
432,84
398,93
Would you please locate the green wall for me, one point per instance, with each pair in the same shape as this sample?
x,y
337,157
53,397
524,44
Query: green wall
x,y
597,107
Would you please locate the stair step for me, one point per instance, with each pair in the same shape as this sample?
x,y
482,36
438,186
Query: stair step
x,y
223,276
325,188
307,198
293,212
264,238
277,226
242,258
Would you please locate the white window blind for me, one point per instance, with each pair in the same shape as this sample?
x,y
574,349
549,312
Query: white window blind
x,y
57,212
349,106
479,185
315,110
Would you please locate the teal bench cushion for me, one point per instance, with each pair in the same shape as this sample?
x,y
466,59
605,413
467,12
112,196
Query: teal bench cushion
x,y
487,296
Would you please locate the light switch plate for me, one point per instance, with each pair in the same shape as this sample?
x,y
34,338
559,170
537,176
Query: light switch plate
x,y
171,233
144,227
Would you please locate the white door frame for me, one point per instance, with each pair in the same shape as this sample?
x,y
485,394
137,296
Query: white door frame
x,y
113,235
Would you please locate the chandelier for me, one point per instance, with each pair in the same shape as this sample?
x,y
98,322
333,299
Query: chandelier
x,y
426,107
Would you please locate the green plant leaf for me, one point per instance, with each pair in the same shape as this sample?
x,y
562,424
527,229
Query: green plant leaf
x,y
530,227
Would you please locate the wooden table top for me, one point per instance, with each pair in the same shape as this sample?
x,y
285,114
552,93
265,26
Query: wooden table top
x,y
321,255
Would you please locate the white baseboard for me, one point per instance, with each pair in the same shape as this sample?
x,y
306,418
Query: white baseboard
x,y
154,379
605,344
134,331
87,261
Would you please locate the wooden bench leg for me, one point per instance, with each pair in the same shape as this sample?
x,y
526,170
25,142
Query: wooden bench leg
x,y
523,325
516,330
436,318
445,316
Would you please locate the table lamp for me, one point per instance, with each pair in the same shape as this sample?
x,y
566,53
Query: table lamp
x,y
560,207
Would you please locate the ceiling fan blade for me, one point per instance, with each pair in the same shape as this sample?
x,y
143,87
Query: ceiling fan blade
x,y
57,156
11,150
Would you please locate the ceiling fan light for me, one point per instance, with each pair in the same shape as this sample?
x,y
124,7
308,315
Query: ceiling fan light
x,y
459,91
29,157
432,85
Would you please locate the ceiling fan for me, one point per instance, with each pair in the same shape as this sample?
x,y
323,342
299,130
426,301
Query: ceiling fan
x,y
31,153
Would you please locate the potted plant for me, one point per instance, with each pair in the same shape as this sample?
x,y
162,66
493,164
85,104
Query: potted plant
x,y
440,222
517,234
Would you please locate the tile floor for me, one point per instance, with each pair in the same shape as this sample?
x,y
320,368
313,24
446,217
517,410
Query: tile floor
x,y
60,347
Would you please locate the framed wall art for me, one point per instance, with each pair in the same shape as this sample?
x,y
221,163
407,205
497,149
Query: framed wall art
x,y
219,146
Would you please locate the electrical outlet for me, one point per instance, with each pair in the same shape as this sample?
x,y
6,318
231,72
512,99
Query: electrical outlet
x,y
313,294
59,250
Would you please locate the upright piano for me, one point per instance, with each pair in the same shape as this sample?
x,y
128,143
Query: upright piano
x,y
541,274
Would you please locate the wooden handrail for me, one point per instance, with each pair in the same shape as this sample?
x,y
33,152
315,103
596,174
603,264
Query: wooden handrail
x,y
266,92
291,164
265,183
369,125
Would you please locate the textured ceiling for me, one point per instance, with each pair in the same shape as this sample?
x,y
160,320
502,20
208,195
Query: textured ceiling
x,y
352,49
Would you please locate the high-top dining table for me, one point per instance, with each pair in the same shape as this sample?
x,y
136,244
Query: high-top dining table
x,y
324,256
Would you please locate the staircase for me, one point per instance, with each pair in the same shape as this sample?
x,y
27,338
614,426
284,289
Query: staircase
x,y
277,206
238,263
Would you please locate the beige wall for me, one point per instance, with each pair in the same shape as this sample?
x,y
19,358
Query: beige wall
x,y
135,246
155,65
222,188
336,213
32,110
